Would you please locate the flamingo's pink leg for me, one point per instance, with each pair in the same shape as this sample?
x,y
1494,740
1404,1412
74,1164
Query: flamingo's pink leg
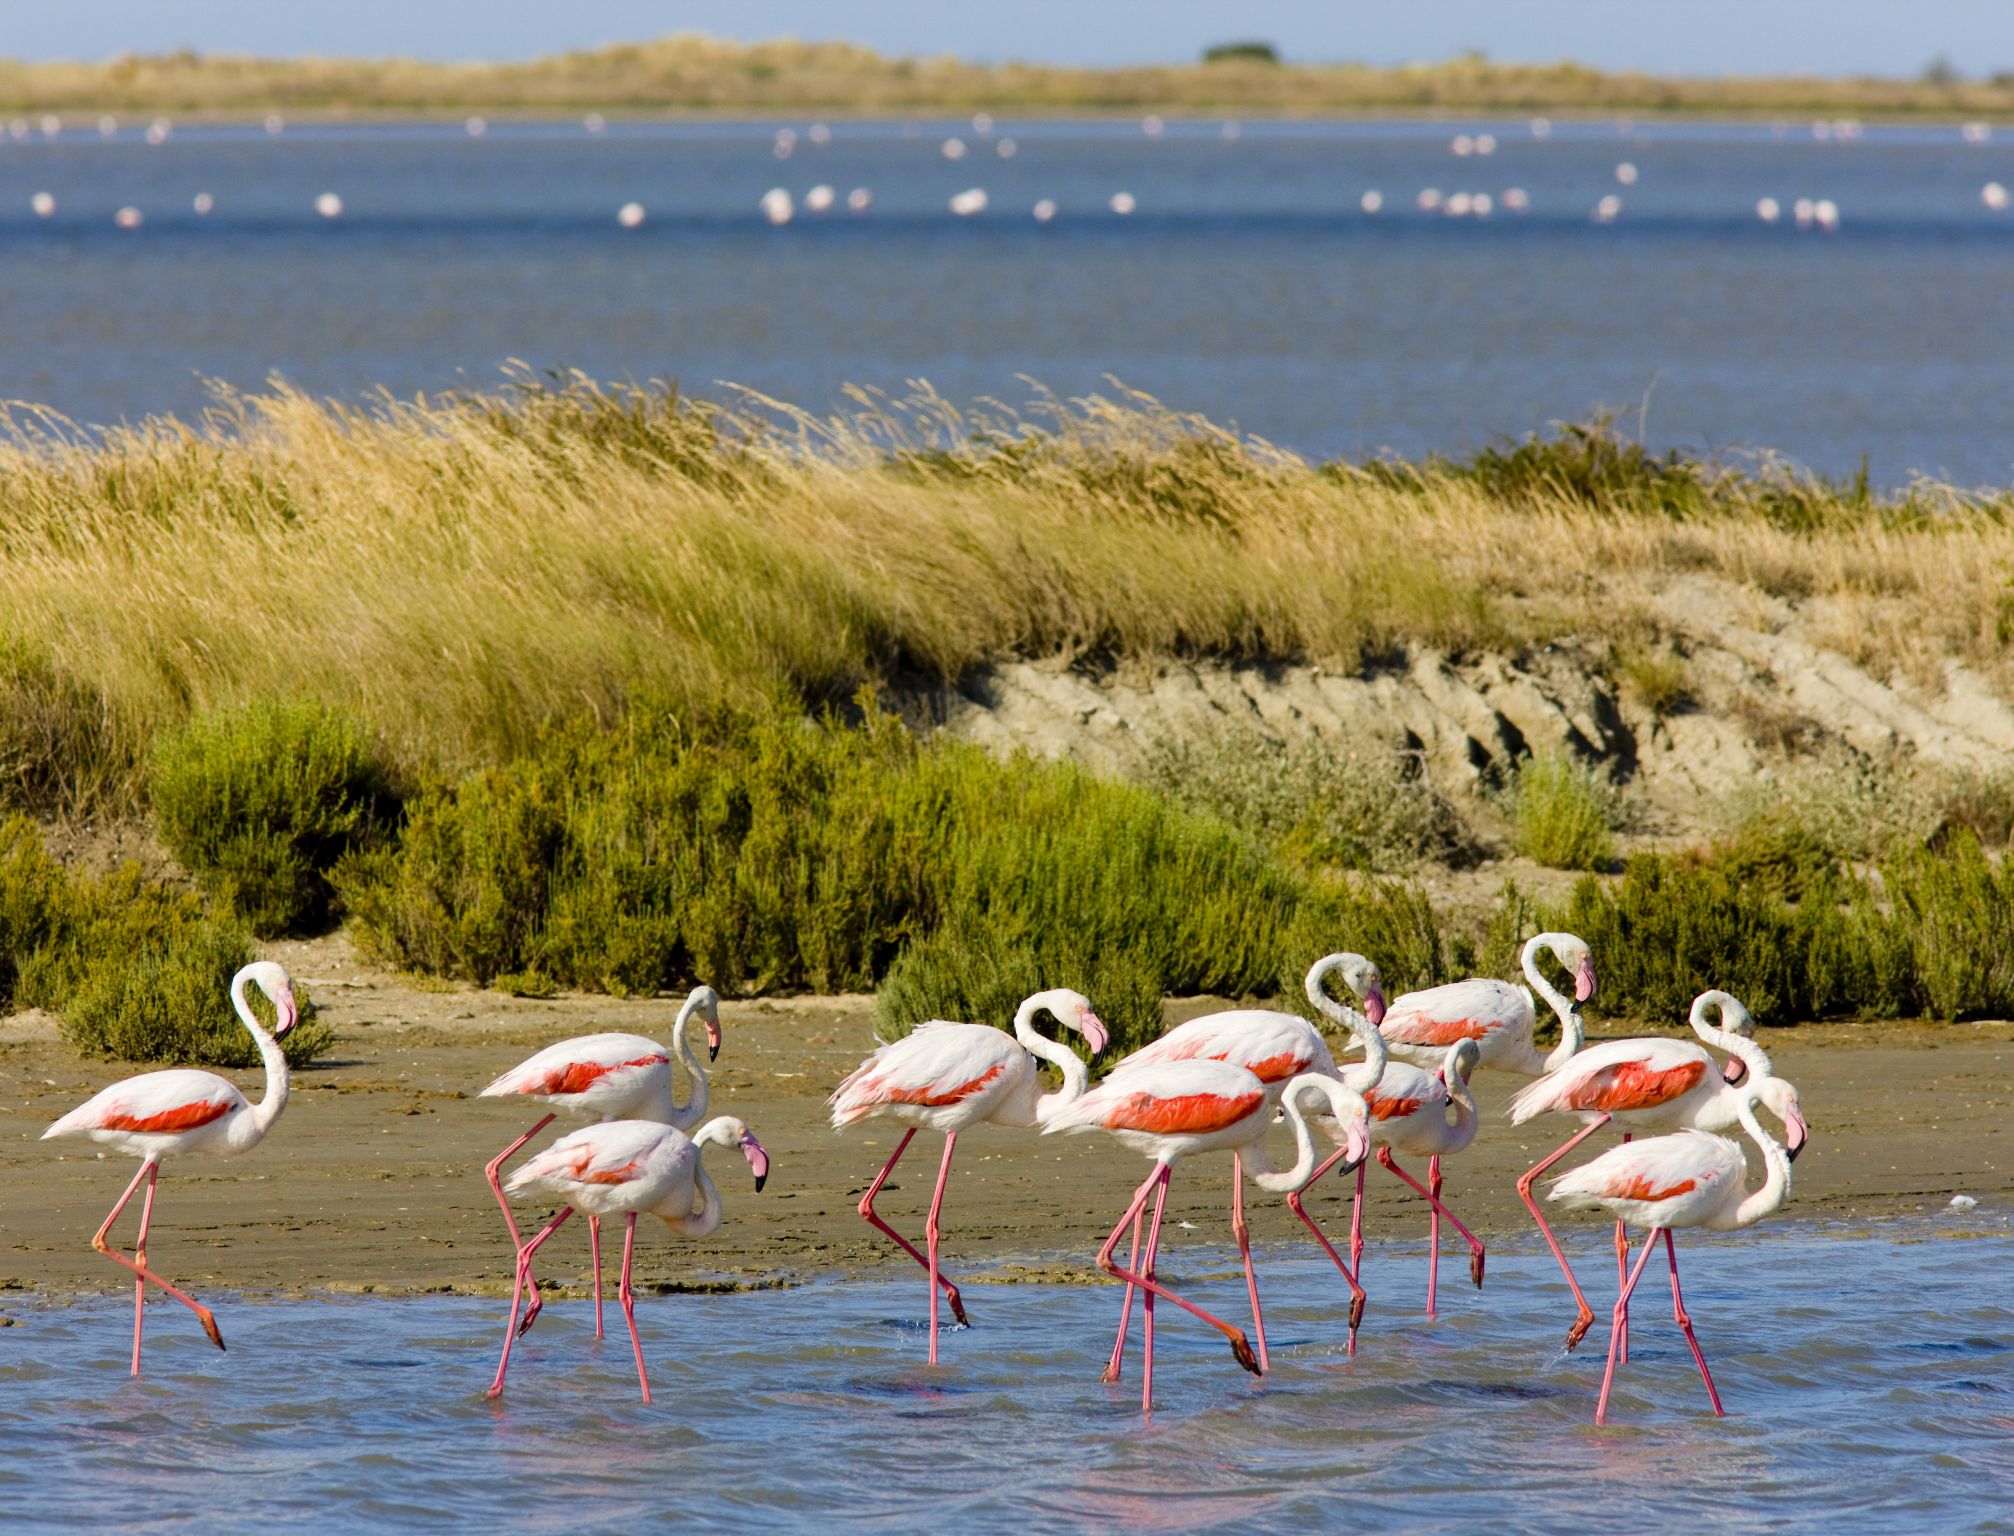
x,y
1240,1347
1431,1193
932,1232
518,1284
594,1247
149,1171
492,1172
1357,1223
140,1258
1241,1230
874,1220
1356,1290
1149,1265
1622,1269
1615,1326
1585,1316
627,1297
1126,1309
1684,1321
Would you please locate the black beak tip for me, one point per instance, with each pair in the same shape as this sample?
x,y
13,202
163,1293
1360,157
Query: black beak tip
x,y
713,1053
760,1180
1790,1153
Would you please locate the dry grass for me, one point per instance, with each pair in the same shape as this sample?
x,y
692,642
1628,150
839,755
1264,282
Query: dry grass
x,y
458,571
693,73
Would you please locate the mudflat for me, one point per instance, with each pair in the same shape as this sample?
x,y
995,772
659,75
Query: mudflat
x,y
373,1181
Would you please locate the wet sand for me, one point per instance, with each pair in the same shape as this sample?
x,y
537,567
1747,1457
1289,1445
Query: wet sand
x,y
373,1180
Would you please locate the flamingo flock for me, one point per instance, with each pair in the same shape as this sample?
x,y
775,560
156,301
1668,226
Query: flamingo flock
x,y
1218,1083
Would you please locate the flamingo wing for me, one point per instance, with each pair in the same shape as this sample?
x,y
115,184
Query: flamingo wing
x,y
155,1103
1404,1090
938,1065
1616,1075
1166,1098
1655,1171
610,1152
578,1065
1272,1046
1461,1010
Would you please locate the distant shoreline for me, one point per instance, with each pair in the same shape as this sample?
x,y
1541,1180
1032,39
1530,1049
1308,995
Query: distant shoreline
x,y
693,76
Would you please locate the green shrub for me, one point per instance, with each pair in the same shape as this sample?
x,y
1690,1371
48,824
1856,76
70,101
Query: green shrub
x,y
977,979
1323,808
33,888
259,803
1954,910
59,751
1563,815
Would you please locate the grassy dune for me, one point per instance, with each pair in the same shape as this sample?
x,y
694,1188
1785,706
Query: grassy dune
x,y
458,572
691,73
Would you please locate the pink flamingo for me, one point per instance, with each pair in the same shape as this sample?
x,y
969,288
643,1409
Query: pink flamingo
x,y
949,1077
1654,1084
1275,1047
1409,1111
608,1077
627,1168
162,1113
1499,1017
1170,1109
1691,1178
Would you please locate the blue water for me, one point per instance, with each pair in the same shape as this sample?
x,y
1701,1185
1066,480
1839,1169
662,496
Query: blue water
x,y
1248,285
1869,1381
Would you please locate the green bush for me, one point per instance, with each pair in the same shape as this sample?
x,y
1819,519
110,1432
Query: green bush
x,y
1562,815
131,967
259,803
1953,909
59,750
977,979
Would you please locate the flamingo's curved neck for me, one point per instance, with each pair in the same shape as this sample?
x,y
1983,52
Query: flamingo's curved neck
x,y
1340,1097
1076,1076
1747,1051
1572,1036
705,1216
269,1108
1464,1102
685,1116
1775,1188
1364,1077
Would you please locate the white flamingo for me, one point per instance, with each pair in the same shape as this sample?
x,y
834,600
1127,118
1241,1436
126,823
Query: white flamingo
x,y
163,1114
1499,1017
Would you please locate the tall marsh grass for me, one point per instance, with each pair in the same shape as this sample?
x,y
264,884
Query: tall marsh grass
x,y
458,573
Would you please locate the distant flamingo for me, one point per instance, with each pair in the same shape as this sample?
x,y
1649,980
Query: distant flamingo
x,y
1499,1017
1274,1047
1654,1084
1409,1111
949,1077
159,1114
627,1168
1688,1179
1170,1109
609,1077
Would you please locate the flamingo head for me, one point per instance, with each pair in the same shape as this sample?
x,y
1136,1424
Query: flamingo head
x,y
1362,976
705,1002
1463,1057
1574,954
1781,1099
751,1149
272,979
1074,1010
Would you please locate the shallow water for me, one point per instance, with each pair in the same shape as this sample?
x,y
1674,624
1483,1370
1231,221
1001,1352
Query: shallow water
x,y
1864,1375
1248,285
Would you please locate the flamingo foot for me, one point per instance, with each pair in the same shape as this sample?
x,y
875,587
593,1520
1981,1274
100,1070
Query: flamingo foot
x,y
209,1322
1356,1314
531,1314
1243,1351
1579,1329
1109,1375
1476,1268
957,1305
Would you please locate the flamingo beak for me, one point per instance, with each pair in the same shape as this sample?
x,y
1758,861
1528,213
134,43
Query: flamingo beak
x,y
289,1013
1356,1144
712,1039
1736,1070
757,1159
1795,1135
1374,1004
1583,980
1093,1030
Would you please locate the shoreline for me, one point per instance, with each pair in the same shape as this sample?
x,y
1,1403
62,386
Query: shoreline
x,y
373,1183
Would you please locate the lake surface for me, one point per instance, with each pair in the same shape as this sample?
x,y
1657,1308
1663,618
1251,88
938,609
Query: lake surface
x,y
1869,1381
1247,284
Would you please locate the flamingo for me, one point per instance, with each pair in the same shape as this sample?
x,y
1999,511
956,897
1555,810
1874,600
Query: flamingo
x,y
1170,1109
610,1077
1275,1047
1499,1017
1655,1084
183,1110
949,1077
1409,1111
1691,1178
627,1168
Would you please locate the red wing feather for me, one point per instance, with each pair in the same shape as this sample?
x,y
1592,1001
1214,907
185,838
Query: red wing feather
x,y
183,1117
579,1076
1188,1114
